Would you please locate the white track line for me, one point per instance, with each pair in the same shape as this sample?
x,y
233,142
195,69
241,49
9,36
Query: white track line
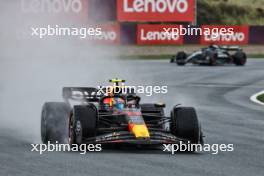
x,y
254,98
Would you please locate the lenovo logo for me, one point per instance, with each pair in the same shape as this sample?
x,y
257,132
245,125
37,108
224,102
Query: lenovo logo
x,y
52,6
110,34
160,6
155,34
227,37
239,36
156,10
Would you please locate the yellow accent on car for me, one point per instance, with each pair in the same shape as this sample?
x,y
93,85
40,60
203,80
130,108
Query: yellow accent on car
x,y
140,131
116,80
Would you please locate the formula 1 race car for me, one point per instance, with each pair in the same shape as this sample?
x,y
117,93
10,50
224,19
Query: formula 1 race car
x,y
212,55
112,115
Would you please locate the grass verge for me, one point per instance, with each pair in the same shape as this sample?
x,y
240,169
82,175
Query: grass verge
x,y
261,98
231,12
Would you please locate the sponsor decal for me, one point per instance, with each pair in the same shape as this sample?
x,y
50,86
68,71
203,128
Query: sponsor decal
x,y
156,10
110,34
155,34
239,36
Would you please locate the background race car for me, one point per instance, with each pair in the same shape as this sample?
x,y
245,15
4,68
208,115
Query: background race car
x,y
212,55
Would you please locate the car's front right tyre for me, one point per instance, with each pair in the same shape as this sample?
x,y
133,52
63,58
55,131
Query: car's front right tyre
x,y
184,124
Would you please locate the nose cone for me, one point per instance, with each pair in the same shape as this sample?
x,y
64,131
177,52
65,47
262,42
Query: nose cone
x,y
140,131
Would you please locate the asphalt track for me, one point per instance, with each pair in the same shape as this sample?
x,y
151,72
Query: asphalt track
x,y
221,97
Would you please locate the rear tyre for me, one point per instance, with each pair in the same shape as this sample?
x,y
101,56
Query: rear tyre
x,y
54,122
180,58
185,124
83,123
240,58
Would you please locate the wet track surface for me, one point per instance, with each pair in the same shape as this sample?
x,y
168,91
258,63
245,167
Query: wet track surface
x,y
219,94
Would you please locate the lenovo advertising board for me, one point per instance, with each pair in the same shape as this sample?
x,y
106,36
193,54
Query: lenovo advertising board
x,y
73,10
156,10
110,34
240,35
151,34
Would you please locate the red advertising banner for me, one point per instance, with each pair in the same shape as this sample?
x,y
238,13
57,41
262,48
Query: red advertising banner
x,y
151,34
240,35
156,10
110,34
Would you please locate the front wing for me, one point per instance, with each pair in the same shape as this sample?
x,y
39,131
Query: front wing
x,y
129,138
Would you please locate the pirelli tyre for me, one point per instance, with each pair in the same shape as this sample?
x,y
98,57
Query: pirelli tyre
x,y
54,122
83,123
185,124
240,58
180,58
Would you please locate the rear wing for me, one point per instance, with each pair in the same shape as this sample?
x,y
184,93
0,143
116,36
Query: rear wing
x,y
81,93
90,94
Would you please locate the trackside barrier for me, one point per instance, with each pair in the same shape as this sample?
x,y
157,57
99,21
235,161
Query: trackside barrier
x,y
139,22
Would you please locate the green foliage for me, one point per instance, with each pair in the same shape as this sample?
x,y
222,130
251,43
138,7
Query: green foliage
x,y
231,12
